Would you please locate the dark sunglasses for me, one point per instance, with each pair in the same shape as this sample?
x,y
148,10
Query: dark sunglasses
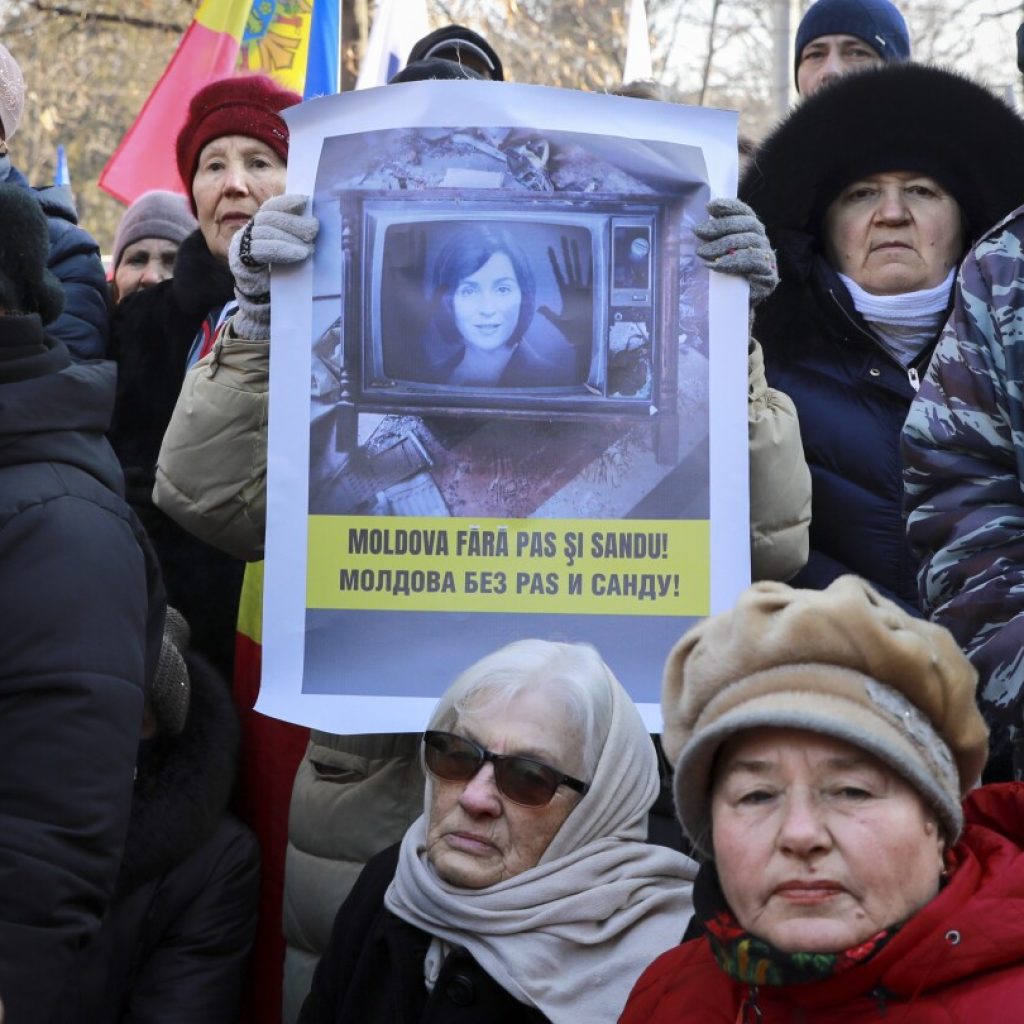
x,y
521,779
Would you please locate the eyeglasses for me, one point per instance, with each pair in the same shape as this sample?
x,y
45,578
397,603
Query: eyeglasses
x,y
521,779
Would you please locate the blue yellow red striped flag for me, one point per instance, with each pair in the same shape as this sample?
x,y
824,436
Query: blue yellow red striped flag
x,y
294,41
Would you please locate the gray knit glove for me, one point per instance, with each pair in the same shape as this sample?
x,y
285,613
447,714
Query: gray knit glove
x,y
278,233
735,243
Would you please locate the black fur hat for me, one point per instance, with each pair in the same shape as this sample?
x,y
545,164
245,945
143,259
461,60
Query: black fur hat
x,y
26,286
899,117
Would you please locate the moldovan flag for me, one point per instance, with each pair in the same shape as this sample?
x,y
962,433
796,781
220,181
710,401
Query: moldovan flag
x,y
294,41
397,26
638,64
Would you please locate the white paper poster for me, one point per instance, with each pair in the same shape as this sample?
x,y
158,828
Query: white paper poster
x,y
507,400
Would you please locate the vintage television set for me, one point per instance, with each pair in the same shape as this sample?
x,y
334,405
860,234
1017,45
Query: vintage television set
x,y
597,286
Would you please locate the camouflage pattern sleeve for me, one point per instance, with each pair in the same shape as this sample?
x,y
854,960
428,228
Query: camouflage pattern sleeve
x,y
963,450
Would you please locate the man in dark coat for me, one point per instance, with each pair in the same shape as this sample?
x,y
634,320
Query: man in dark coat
x,y
82,613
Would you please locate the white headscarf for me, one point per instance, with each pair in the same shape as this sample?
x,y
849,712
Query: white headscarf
x,y
571,935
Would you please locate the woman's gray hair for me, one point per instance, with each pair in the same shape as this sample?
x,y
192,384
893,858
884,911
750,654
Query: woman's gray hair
x,y
572,675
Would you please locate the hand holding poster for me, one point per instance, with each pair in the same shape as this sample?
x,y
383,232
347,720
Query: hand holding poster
x,y
514,355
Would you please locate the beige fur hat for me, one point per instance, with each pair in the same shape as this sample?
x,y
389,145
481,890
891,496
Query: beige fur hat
x,y
843,661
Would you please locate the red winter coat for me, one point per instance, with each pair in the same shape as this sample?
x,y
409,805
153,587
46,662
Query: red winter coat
x,y
960,958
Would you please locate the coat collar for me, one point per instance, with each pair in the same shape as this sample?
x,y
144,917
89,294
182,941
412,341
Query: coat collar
x,y
974,925
201,282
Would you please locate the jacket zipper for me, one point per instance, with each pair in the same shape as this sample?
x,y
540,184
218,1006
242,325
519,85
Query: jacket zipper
x,y
910,371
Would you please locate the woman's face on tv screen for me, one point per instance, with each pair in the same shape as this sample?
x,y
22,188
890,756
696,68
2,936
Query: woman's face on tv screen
x,y
485,304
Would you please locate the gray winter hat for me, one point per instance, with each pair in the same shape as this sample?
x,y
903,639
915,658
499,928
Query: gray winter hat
x,y
156,214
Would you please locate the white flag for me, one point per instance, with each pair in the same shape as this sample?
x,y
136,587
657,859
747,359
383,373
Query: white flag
x,y
638,45
397,26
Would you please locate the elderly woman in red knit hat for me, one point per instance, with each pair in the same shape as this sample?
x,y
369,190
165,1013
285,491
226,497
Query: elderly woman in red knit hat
x,y
231,155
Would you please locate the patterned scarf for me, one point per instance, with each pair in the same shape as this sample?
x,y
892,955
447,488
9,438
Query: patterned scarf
x,y
753,961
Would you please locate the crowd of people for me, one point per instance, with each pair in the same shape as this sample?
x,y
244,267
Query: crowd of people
x,y
830,825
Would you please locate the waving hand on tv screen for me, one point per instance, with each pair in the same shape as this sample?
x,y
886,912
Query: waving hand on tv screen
x,y
576,286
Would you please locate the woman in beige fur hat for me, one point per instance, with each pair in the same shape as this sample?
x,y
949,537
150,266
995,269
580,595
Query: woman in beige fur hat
x,y
823,744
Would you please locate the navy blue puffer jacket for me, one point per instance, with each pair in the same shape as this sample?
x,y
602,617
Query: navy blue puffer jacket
x,y
852,398
84,326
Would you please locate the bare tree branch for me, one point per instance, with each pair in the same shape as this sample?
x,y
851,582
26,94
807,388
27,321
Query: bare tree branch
x,y
710,54
101,16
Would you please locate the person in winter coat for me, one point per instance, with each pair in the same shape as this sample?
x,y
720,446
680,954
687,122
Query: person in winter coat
x,y
231,152
963,449
175,943
147,240
527,877
871,191
74,256
82,611
824,741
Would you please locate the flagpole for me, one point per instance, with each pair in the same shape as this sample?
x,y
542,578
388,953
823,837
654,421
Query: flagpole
x,y
341,41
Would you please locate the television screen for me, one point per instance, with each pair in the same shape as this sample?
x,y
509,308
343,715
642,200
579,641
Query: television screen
x,y
544,305
484,303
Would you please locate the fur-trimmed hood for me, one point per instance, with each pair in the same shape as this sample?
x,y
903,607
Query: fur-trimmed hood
x,y
897,117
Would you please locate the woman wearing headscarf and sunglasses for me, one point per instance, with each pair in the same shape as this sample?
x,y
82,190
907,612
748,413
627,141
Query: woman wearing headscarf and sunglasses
x,y
526,891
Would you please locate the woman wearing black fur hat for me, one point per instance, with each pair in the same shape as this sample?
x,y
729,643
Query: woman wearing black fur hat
x,y
871,192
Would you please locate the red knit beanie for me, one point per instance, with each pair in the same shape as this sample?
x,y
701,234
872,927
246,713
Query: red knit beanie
x,y
244,105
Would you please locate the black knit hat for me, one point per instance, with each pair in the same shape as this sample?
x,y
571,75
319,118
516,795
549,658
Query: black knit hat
x,y
434,69
899,117
26,285
456,42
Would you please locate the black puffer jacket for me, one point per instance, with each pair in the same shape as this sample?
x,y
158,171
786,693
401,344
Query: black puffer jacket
x,y
81,605
176,942
153,331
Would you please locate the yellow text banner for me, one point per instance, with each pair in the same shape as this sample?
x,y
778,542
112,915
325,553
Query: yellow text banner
x,y
540,566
